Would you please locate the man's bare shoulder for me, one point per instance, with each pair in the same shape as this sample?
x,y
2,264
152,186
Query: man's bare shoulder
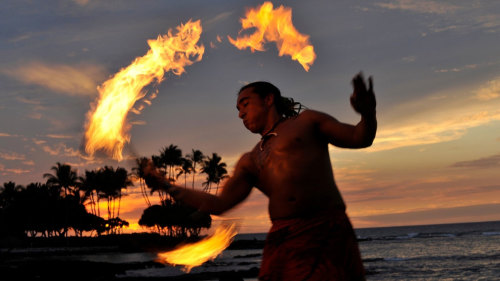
x,y
246,163
313,116
245,169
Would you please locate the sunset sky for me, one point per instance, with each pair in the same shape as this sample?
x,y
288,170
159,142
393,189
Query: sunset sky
x,y
436,71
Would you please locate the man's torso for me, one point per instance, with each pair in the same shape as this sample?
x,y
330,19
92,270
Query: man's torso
x,y
293,169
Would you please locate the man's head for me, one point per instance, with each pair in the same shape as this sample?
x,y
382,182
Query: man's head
x,y
256,105
264,89
286,107
263,98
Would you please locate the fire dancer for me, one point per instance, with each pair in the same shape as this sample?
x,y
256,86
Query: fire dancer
x,y
311,237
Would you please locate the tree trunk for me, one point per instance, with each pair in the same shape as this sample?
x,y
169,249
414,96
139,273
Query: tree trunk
x,y
119,204
194,171
109,210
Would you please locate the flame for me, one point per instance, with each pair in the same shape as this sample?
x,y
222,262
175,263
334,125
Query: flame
x,y
196,254
107,127
275,26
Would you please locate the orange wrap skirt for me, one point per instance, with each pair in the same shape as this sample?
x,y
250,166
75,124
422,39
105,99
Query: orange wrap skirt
x,y
319,248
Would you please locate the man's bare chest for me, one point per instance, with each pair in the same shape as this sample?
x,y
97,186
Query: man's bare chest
x,y
277,150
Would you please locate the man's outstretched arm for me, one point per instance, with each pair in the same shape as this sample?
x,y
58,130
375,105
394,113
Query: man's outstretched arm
x,y
350,136
235,190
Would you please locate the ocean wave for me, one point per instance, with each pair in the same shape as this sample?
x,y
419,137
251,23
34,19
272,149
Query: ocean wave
x,y
372,260
396,259
491,233
408,235
416,235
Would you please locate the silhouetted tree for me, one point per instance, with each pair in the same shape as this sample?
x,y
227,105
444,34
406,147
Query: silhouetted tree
x,y
8,192
185,168
215,170
9,195
171,157
111,182
138,172
196,157
175,219
158,162
90,188
64,178
221,173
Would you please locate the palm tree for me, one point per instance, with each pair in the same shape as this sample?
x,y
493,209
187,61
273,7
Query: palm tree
x,y
138,172
90,187
8,193
215,170
111,183
221,173
196,157
185,168
122,181
104,181
170,157
64,178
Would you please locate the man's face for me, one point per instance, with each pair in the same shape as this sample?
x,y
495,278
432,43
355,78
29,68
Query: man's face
x,y
252,110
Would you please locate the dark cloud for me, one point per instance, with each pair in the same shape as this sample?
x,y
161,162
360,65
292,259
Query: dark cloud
x,y
438,215
486,162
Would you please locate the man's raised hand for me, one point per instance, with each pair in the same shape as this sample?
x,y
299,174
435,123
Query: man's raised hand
x,y
362,99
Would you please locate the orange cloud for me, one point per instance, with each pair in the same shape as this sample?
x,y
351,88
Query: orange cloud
x,y
7,135
12,156
72,80
61,149
81,2
29,163
427,7
440,117
490,91
457,69
481,163
12,171
433,130
431,215
55,136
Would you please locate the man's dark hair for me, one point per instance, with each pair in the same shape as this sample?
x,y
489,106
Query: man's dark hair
x,y
286,107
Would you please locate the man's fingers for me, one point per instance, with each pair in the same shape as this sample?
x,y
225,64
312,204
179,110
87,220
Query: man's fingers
x,y
354,103
359,83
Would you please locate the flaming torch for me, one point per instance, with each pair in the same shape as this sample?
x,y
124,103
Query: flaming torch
x,y
107,128
275,25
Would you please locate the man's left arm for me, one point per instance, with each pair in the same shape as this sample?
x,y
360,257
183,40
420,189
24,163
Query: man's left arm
x,y
353,136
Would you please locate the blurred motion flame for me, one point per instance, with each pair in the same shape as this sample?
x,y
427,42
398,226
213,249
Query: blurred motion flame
x,y
275,25
196,254
107,127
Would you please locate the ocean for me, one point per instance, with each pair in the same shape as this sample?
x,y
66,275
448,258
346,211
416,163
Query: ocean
x,y
464,251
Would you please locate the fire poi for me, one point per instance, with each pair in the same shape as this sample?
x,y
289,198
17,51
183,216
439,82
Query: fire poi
x,y
275,25
196,254
107,128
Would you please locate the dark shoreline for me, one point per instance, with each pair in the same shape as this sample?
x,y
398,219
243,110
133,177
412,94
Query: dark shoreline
x,y
101,271
123,242
41,258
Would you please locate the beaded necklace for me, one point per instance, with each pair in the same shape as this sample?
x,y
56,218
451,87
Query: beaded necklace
x,y
269,134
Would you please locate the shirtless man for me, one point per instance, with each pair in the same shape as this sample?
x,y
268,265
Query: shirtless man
x,y
311,237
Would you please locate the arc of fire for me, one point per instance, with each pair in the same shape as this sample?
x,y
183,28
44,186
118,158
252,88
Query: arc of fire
x,y
107,127
275,25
